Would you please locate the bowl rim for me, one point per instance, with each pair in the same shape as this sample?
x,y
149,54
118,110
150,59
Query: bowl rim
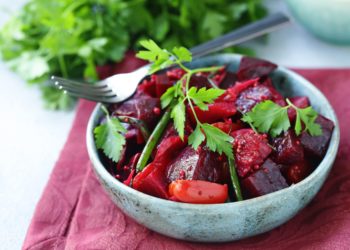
x,y
325,164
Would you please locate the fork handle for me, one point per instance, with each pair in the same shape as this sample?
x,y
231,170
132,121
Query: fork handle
x,y
243,34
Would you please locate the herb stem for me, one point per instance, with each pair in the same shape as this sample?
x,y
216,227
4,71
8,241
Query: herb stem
x,y
152,141
234,179
63,67
207,69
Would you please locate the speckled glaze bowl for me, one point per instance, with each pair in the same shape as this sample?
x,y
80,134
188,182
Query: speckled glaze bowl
x,y
229,221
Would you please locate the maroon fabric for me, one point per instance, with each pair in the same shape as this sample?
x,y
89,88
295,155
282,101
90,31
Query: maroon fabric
x,y
74,212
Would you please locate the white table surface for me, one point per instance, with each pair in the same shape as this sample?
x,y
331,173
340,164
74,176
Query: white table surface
x,y
32,137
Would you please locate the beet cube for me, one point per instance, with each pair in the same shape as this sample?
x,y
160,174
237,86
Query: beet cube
x,y
297,172
199,81
216,111
228,81
252,67
266,180
162,84
288,148
200,164
141,106
151,180
250,149
248,98
316,146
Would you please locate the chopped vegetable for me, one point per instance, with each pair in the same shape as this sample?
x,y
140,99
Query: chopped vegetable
x,y
198,192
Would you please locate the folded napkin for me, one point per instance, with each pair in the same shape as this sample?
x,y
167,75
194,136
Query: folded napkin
x,y
74,212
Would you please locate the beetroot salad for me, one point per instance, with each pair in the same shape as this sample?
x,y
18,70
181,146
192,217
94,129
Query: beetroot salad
x,y
210,135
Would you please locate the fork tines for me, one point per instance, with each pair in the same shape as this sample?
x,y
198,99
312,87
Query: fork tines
x,y
99,92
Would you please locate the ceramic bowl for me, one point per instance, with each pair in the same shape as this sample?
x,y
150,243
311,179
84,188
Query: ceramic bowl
x,y
328,20
228,221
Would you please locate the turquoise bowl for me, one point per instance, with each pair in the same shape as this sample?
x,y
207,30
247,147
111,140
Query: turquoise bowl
x,y
328,20
228,221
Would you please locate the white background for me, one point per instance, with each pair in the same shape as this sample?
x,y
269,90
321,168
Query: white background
x,y
32,137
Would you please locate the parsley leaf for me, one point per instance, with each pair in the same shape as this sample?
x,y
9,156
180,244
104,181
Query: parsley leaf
x,y
183,54
269,117
196,137
308,116
217,140
109,138
179,116
204,96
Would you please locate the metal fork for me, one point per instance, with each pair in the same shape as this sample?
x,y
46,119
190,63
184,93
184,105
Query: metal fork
x,y
119,87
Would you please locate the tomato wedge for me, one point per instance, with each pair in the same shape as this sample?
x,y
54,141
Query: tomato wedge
x,y
198,192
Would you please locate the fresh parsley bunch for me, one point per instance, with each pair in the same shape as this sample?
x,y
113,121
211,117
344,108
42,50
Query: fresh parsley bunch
x,y
69,38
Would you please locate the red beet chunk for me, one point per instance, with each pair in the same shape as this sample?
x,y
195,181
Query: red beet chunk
x,y
288,148
151,180
253,95
316,146
148,86
199,81
168,149
142,107
266,180
228,81
250,149
162,84
252,67
216,111
300,102
297,172
228,126
232,93
200,164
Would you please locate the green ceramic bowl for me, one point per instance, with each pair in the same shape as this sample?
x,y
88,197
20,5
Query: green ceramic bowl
x,y
228,221
328,20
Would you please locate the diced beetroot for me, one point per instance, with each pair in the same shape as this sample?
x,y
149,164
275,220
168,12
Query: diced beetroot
x,y
171,131
250,149
216,111
252,67
151,180
266,180
148,86
162,84
200,164
288,148
228,126
228,81
297,172
316,146
142,107
175,74
253,95
169,148
199,81
300,102
232,93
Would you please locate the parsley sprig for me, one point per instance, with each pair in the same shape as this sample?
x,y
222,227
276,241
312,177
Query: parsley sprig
x,y
269,117
177,96
109,136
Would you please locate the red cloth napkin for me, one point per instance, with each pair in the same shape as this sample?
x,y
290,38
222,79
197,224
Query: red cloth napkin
x,y
74,212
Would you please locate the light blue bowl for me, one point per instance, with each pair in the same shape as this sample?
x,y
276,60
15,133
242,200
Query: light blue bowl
x,y
229,221
328,20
